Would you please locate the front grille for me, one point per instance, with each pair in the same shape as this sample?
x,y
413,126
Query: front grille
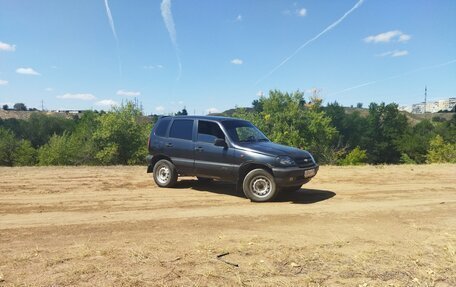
x,y
304,162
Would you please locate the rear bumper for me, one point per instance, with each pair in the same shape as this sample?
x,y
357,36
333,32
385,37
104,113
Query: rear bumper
x,y
292,176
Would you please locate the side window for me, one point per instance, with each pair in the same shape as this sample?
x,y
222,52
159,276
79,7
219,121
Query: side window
x,y
209,131
181,129
162,127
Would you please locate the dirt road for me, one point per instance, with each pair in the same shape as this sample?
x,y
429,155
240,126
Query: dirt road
x,y
104,226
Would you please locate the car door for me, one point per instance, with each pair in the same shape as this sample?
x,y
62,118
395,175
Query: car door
x,y
179,145
211,160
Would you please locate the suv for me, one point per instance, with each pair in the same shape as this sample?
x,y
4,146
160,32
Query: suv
x,y
226,149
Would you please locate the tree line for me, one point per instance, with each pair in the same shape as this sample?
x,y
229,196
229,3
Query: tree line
x,y
333,135
118,137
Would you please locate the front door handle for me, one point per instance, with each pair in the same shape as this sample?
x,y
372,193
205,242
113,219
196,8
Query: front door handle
x,y
199,148
169,145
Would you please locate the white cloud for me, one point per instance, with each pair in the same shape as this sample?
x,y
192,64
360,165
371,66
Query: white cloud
x,y
399,53
3,82
27,71
81,96
107,103
212,111
260,93
239,18
404,38
151,67
7,47
237,61
160,109
389,36
301,12
49,89
124,93
395,53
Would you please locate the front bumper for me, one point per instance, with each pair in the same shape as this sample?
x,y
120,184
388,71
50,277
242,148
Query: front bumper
x,y
292,176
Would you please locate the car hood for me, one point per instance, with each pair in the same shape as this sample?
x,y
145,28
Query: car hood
x,y
273,149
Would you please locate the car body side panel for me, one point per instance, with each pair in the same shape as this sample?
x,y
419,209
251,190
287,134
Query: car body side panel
x,y
214,161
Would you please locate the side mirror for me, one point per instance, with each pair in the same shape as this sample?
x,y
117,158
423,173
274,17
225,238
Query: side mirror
x,y
220,142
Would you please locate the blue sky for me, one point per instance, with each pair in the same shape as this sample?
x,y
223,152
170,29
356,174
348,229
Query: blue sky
x,y
213,55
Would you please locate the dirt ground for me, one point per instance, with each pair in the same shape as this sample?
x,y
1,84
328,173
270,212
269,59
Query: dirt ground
x,y
111,226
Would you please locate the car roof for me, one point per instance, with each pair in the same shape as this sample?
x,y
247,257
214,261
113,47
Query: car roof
x,y
213,118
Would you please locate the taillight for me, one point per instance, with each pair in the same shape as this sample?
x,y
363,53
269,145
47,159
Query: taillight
x,y
148,142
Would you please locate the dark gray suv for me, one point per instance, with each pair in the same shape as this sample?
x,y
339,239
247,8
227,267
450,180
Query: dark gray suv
x,y
226,149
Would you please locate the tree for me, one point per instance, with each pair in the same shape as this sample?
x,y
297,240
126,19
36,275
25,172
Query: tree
x,y
120,137
352,127
7,146
386,125
59,150
20,107
286,118
25,154
182,113
441,152
40,127
414,142
5,107
359,105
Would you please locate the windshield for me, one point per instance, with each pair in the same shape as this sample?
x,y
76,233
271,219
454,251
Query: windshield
x,y
243,131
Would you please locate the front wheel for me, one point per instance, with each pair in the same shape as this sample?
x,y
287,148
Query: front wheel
x,y
165,174
259,185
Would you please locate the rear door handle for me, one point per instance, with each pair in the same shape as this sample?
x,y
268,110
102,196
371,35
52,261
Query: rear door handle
x,y
199,148
169,145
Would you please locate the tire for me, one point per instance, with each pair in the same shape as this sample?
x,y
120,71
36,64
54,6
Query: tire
x,y
165,174
204,179
259,185
291,188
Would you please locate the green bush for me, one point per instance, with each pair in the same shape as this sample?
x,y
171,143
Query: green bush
x,y
355,157
441,152
405,159
25,154
120,137
60,150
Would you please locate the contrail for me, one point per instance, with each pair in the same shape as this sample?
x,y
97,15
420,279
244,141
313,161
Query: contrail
x,y
113,28
169,23
111,22
329,28
394,77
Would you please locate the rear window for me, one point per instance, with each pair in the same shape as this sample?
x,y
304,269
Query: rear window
x,y
162,127
181,129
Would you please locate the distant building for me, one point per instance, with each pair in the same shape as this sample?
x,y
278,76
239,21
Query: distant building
x,y
430,107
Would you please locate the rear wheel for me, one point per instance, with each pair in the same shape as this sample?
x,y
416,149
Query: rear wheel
x,y
165,174
259,185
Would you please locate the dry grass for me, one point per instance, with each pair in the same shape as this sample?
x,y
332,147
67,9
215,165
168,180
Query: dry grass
x,y
353,226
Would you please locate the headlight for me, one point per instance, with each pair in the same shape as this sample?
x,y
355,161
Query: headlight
x,y
285,161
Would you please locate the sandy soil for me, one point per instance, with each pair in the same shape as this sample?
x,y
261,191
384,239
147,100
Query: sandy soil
x,y
111,226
